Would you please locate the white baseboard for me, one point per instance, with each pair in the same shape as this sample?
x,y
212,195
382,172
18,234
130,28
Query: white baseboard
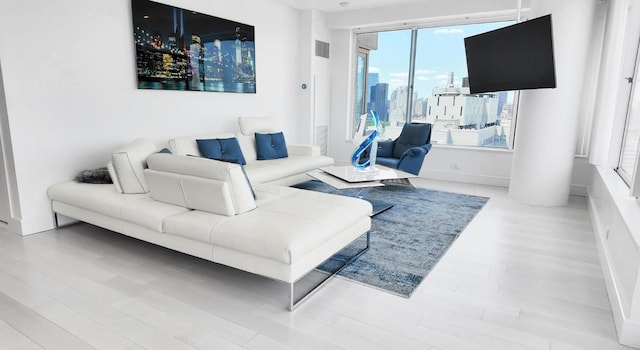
x,y
575,190
31,226
628,329
465,178
579,190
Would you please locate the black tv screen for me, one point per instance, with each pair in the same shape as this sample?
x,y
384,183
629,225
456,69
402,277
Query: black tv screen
x,y
516,57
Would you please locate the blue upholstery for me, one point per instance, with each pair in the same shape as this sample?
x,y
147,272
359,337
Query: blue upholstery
x,y
388,162
222,149
385,149
407,152
271,146
412,135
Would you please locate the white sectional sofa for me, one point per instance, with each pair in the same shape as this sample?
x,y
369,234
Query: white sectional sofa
x,y
220,211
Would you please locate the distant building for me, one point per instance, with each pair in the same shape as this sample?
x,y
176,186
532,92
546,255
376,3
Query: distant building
x,y
372,80
398,105
502,100
460,118
455,108
420,109
379,102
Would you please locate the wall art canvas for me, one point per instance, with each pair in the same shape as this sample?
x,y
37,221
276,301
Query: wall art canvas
x,y
179,49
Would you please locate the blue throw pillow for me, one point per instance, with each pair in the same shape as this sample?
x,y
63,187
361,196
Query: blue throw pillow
x,y
165,150
222,149
271,146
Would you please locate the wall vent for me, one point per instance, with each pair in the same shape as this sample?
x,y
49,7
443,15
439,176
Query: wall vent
x,y
322,49
322,138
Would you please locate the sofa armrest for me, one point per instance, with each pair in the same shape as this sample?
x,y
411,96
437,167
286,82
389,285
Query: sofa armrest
x,y
303,150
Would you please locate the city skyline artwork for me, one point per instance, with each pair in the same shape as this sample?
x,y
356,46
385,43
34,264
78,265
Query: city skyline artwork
x,y
179,49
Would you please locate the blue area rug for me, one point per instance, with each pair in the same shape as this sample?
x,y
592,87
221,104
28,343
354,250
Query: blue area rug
x,y
407,240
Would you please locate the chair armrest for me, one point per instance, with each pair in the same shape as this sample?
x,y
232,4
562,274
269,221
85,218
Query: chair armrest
x,y
303,150
411,160
418,151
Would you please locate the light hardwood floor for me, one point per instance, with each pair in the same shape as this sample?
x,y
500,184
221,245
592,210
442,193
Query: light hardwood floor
x,y
519,277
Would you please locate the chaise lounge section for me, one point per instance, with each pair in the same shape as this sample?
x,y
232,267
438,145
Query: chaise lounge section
x,y
209,209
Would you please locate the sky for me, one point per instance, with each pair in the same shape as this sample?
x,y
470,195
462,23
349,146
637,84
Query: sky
x,y
439,51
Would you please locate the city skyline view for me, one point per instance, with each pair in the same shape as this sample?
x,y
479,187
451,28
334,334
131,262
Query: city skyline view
x,y
440,94
439,51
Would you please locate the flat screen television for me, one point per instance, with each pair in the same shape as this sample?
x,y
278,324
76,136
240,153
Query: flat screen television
x,y
516,57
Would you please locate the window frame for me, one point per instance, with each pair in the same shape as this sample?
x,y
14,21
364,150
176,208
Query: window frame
x,y
415,27
632,180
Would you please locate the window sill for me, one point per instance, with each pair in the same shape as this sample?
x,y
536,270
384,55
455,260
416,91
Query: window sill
x,y
627,206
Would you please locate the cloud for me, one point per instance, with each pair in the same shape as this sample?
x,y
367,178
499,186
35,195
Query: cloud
x,y
397,82
399,75
449,31
442,77
424,71
422,78
374,69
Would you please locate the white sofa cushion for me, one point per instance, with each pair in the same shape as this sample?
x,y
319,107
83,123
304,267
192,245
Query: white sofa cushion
x,y
199,183
251,125
284,227
265,171
248,147
100,198
129,163
150,213
114,177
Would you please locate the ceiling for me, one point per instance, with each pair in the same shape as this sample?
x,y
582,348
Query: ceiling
x,y
343,5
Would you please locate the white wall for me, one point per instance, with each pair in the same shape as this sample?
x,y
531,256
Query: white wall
x,y
315,74
474,165
70,86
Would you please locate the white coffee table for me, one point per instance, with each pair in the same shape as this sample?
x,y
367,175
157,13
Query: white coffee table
x,y
345,177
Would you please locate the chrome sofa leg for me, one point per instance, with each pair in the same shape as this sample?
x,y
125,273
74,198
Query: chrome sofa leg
x,y
295,302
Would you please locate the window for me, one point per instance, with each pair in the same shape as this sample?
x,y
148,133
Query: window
x,y
361,82
419,75
387,76
629,155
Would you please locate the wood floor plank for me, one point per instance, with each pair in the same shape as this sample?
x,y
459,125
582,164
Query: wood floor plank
x,y
10,338
37,328
194,318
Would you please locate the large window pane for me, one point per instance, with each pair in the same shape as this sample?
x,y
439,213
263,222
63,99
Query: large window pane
x,y
441,91
361,80
438,91
629,153
387,79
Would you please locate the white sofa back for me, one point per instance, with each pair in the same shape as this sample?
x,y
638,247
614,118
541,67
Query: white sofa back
x,y
127,166
199,183
187,145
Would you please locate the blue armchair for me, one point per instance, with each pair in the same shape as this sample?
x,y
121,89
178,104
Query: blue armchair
x,y
407,152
